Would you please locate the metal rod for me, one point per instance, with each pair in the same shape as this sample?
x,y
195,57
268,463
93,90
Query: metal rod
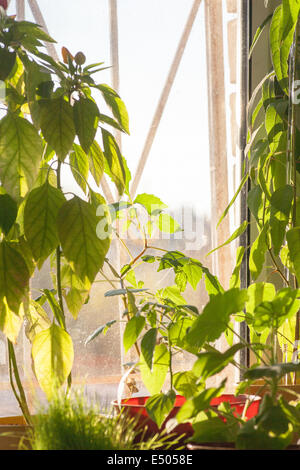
x,y
164,96
217,136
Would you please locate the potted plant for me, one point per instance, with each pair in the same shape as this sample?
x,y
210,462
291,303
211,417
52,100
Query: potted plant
x,y
271,309
49,119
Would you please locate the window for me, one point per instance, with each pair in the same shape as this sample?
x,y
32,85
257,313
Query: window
x,y
174,64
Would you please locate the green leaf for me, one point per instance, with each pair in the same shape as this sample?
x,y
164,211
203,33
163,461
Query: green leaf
x,y
258,33
21,151
198,403
214,429
186,383
154,379
293,240
281,37
52,354
10,323
242,183
237,233
132,331
115,165
7,61
258,252
113,292
82,248
274,127
193,271
8,212
102,329
275,371
281,204
148,345
215,317
254,201
79,166
235,277
177,332
212,362
117,106
57,125
172,293
167,224
151,203
40,213
159,406
96,162
86,118
274,313
257,293
14,276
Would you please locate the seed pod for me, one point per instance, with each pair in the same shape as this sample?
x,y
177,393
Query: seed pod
x,y
80,58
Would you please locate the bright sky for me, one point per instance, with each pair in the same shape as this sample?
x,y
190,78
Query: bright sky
x,y
177,170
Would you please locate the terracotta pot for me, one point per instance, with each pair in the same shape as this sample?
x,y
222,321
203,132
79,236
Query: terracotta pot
x,y
135,407
13,431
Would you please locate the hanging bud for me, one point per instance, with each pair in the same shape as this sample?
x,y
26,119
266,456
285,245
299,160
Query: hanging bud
x,y
65,54
80,58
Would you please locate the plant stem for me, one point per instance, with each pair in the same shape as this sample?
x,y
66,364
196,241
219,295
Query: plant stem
x,y
13,370
58,270
293,176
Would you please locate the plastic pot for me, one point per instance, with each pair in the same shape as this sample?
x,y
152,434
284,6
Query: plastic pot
x,y
136,408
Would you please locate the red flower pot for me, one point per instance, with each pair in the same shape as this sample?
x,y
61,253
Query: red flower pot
x,y
136,408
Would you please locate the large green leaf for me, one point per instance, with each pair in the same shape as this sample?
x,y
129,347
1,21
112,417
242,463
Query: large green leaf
x,y
198,403
151,203
160,405
8,212
86,117
14,276
52,354
96,162
281,204
79,166
275,312
40,214
215,317
57,124
117,106
114,160
10,323
154,379
281,37
148,345
293,240
212,362
21,151
132,331
7,60
77,223
258,253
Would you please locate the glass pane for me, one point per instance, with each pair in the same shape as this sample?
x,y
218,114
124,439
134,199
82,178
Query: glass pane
x,y
177,169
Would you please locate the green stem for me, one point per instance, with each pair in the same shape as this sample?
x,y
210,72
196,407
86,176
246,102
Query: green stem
x,y
13,371
58,271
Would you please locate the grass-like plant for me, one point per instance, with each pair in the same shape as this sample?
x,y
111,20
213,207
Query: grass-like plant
x,y
71,422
